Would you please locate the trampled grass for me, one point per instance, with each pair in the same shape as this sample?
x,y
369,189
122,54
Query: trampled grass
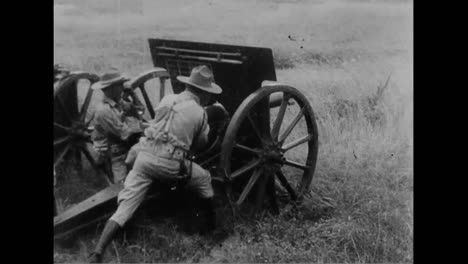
x,y
360,208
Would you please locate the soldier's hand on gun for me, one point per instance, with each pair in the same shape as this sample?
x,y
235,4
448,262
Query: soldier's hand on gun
x,y
131,107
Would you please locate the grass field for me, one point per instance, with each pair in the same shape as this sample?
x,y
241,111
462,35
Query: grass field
x,y
337,53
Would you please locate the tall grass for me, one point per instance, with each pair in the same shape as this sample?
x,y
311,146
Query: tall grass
x,y
337,53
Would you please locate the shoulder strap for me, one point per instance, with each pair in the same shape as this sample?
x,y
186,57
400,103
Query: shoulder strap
x,y
168,121
169,118
171,112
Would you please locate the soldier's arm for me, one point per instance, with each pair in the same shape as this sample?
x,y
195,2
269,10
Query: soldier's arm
x,y
202,138
112,124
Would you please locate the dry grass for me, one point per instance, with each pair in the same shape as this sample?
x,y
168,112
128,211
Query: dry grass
x,y
360,207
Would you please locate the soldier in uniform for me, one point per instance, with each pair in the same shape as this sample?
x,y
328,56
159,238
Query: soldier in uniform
x,y
180,125
116,124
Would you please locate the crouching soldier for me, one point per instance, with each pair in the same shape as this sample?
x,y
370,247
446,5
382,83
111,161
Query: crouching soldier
x,y
180,125
115,127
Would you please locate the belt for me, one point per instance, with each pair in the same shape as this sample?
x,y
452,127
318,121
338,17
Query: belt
x,y
168,151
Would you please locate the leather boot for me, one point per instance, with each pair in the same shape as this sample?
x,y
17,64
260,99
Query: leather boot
x,y
107,235
209,208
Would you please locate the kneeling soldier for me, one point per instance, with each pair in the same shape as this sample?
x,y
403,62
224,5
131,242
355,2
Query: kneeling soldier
x,y
180,125
114,125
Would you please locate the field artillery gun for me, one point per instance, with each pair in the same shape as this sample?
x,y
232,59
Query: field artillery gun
x,y
251,155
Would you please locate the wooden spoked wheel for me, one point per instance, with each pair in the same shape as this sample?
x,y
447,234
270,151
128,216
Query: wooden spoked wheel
x,y
99,205
73,114
138,85
73,97
72,117
268,151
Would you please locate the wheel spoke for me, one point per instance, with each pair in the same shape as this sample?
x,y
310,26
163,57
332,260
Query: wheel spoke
x,y
297,142
78,165
162,88
89,157
295,164
284,182
248,149
246,168
263,107
61,140
210,159
65,110
62,154
249,186
84,107
291,126
254,126
90,119
271,191
64,128
261,191
149,106
279,117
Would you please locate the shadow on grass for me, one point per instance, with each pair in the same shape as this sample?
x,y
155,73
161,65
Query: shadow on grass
x,y
169,227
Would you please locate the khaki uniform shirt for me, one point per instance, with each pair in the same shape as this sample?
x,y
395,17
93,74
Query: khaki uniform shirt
x,y
155,158
189,123
112,128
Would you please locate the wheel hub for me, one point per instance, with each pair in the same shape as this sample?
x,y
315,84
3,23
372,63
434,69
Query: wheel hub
x,y
272,154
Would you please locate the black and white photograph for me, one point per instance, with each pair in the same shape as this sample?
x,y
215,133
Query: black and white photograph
x,y
222,131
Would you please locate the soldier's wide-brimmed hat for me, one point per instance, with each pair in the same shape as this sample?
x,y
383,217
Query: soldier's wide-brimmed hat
x,y
109,78
202,78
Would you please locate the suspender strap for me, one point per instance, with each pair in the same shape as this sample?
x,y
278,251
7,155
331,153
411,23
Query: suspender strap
x,y
169,119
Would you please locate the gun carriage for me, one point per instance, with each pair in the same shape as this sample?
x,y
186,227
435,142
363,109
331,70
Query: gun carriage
x,y
257,154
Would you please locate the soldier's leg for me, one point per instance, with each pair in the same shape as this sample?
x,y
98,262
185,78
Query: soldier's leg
x,y
200,182
119,168
132,195
135,187
110,229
